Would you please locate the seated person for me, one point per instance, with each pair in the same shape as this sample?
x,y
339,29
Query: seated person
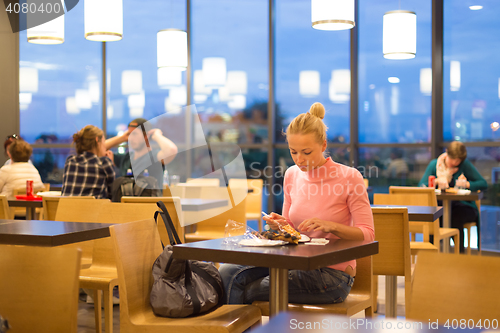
x,y
338,209
6,144
450,167
15,174
90,172
142,156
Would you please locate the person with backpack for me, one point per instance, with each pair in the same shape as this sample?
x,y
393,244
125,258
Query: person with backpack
x,y
90,172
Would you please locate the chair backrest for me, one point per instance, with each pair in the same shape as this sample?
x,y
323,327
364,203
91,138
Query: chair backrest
x,y
404,199
136,245
217,223
364,274
50,204
5,212
425,192
39,288
204,181
447,287
254,199
174,208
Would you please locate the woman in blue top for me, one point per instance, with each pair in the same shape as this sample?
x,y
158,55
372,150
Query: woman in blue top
x,y
448,168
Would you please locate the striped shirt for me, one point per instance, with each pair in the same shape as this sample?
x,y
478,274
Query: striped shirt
x,y
88,175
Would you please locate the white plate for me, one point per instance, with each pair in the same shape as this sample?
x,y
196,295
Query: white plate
x,y
304,238
49,193
261,242
463,192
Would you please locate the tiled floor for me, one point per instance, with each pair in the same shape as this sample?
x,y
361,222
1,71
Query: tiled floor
x,y
86,321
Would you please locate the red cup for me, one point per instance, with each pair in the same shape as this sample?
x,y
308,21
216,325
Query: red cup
x,y
29,188
432,181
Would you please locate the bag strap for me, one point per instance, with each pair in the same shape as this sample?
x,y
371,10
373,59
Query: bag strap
x,y
210,279
188,275
169,225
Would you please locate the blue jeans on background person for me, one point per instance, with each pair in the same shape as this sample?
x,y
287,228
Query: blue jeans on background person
x,y
246,284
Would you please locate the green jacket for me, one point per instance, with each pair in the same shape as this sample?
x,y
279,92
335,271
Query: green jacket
x,y
477,182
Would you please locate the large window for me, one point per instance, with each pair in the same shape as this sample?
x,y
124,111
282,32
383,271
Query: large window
x,y
60,85
399,110
471,72
311,66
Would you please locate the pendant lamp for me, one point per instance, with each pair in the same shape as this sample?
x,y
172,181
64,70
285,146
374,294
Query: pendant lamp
x,y
172,48
309,83
103,20
214,72
48,33
400,34
332,14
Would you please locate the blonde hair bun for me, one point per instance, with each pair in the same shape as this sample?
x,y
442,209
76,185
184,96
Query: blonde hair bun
x,y
317,110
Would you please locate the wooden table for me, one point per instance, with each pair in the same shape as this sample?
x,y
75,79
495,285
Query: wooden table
x,y
419,213
30,205
447,198
292,322
279,259
49,233
196,205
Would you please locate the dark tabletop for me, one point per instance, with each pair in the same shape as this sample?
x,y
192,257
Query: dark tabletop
x,y
49,233
473,196
419,213
302,256
25,203
286,322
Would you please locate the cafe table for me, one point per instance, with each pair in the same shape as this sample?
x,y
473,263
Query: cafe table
x,y
292,322
419,213
279,259
30,206
196,205
50,233
447,198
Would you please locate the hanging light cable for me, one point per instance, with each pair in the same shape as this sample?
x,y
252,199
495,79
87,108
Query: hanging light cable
x,y
400,34
103,20
332,14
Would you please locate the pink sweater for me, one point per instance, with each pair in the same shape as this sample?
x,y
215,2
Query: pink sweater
x,y
332,192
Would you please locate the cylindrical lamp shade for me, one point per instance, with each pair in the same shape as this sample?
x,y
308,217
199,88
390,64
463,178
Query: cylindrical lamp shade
x,y
48,33
94,91
239,102
426,81
83,100
71,106
131,82
341,80
237,82
332,14
309,83
199,83
455,76
103,20
171,48
169,77
28,79
400,34
214,72
178,95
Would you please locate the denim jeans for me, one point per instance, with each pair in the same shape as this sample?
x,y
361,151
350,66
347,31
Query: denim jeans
x,y
245,284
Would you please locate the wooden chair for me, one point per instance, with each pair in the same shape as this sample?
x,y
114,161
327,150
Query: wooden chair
x,y
448,287
393,258
254,199
5,212
359,299
39,288
174,208
214,227
204,181
410,200
102,276
137,245
50,204
418,196
469,226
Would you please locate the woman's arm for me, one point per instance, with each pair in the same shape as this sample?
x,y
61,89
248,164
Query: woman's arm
x,y
168,149
475,182
116,140
339,230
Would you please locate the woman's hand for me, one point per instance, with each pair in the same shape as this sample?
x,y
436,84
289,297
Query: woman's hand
x,y
442,183
275,220
315,224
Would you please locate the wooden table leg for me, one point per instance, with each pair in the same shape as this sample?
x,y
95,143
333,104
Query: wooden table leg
x,y
278,290
390,296
446,224
30,213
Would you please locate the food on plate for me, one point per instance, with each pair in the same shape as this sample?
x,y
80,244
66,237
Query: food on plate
x,y
287,234
452,190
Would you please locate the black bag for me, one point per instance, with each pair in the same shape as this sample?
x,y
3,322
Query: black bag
x,y
144,186
183,288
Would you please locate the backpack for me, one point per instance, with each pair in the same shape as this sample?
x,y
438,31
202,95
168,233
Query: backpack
x,y
182,288
144,186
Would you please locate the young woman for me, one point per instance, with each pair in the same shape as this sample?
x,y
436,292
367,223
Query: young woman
x,y
452,168
90,172
321,199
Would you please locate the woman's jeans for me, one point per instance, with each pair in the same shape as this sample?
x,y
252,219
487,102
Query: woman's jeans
x,y
245,284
